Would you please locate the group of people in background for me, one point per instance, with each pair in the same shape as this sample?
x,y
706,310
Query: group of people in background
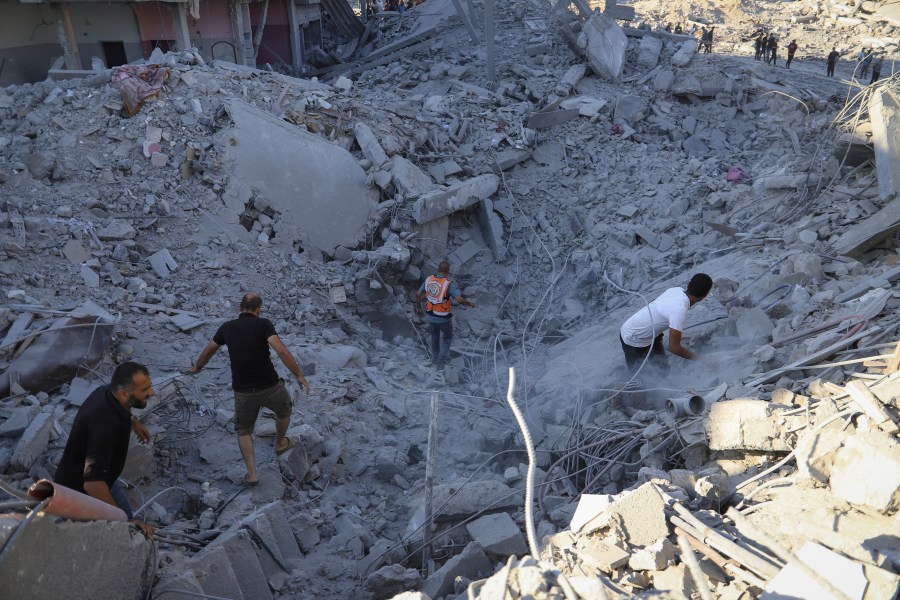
x,y
867,59
400,6
766,46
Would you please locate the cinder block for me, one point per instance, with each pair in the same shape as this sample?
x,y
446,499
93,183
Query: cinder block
x,y
498,533
242,556
213,571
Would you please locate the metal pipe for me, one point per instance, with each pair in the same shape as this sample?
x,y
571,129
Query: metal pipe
x,y
18,504
532,460
67,503
12,491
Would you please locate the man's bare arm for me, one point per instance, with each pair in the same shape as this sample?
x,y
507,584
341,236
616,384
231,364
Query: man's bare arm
x,y
288,359
676,348
208,352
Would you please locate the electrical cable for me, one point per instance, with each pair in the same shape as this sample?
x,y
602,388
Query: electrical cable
x,y
529,480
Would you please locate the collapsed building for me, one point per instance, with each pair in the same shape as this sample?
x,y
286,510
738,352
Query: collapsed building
x,y
569,174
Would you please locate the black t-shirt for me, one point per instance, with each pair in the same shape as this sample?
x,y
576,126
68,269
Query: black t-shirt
x,y
248,349
98,445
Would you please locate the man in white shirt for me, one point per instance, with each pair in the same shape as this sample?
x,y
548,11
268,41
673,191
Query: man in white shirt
x,y
643,331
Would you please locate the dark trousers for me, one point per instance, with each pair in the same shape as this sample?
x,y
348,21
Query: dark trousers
x,y
774,58
635,356
830,71
441,336
790,58
118,493
875,76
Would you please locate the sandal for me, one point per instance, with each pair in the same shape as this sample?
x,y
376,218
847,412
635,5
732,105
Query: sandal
x,y
291,443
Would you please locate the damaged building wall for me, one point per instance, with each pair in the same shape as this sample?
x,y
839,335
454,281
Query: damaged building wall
x,y
28,42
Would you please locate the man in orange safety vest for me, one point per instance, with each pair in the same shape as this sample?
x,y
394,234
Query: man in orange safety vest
x,y
438,290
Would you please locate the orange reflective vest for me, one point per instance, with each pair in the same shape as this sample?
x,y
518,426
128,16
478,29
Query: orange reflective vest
x,y
437,296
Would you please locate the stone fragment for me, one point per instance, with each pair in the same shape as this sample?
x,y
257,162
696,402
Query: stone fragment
x,y
663,81
369,144
90,277
33,442
630,109
744,425
675,579
685,53
866,471
815,452
602,554
694,146
40,164
117,230
388,581
655,557
158,159
343,84
17,422
436,204
649,51
163,262
410,180
470,563
499,534
755,326
389,462
604,45
640,516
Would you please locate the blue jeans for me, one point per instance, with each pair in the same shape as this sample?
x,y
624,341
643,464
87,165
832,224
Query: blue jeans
x,y
441,336
118,493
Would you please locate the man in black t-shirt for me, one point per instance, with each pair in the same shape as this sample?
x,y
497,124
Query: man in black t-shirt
x,y
97,446
253,377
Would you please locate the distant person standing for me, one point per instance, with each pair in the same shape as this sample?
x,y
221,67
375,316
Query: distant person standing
x,y
703,36
770,43
865,64
773,53
709,39
758,46
678,29
876,68
792,49
832,62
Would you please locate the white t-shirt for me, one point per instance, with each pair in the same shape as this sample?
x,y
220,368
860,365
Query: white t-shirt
x,y
666,312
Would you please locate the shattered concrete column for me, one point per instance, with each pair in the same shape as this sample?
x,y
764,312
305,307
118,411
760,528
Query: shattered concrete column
x,y
66,33
179,22
489,39
466,21
296,36
433,205
885,116
240,20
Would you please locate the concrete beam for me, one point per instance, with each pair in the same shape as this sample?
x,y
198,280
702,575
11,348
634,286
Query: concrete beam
x,y
297,36
885,114
66,32
179,22
466,21
434,205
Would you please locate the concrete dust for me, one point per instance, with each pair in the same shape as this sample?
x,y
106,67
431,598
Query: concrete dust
x,y
548,190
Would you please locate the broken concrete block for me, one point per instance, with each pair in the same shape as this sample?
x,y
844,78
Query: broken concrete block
x,y
16,424
163,262
391,580
41,164
343,84
591,513
675,579
663,81
755,326
247,570
602,554
470,563
694,146
33,442
369,144
875,485
214,573
810,265
649,51
843,573
389,462
498,534
570,79
655,557
744,425
90,277
440,203
885,116
295,463
509,158
815,453
550,118
685,53
441,171
630,109
410,180
640,516
491,228
473,497
158,159
604,45
117,230
75,252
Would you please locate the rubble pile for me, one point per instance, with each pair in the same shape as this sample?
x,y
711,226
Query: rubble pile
x,y
601,160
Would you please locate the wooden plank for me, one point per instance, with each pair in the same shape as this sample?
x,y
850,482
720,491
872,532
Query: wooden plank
x,y
894,364
19,327
871,405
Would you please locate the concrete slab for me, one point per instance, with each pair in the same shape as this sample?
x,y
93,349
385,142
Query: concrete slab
x,y
317,187
61,568
498,534
470,563
744,425
884,111
241,555
213,571
33,442
551,118
604,45
649,51
859,238
441,203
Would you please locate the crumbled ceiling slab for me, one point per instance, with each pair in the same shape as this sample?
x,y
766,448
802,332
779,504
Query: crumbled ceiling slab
x,y
318,188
